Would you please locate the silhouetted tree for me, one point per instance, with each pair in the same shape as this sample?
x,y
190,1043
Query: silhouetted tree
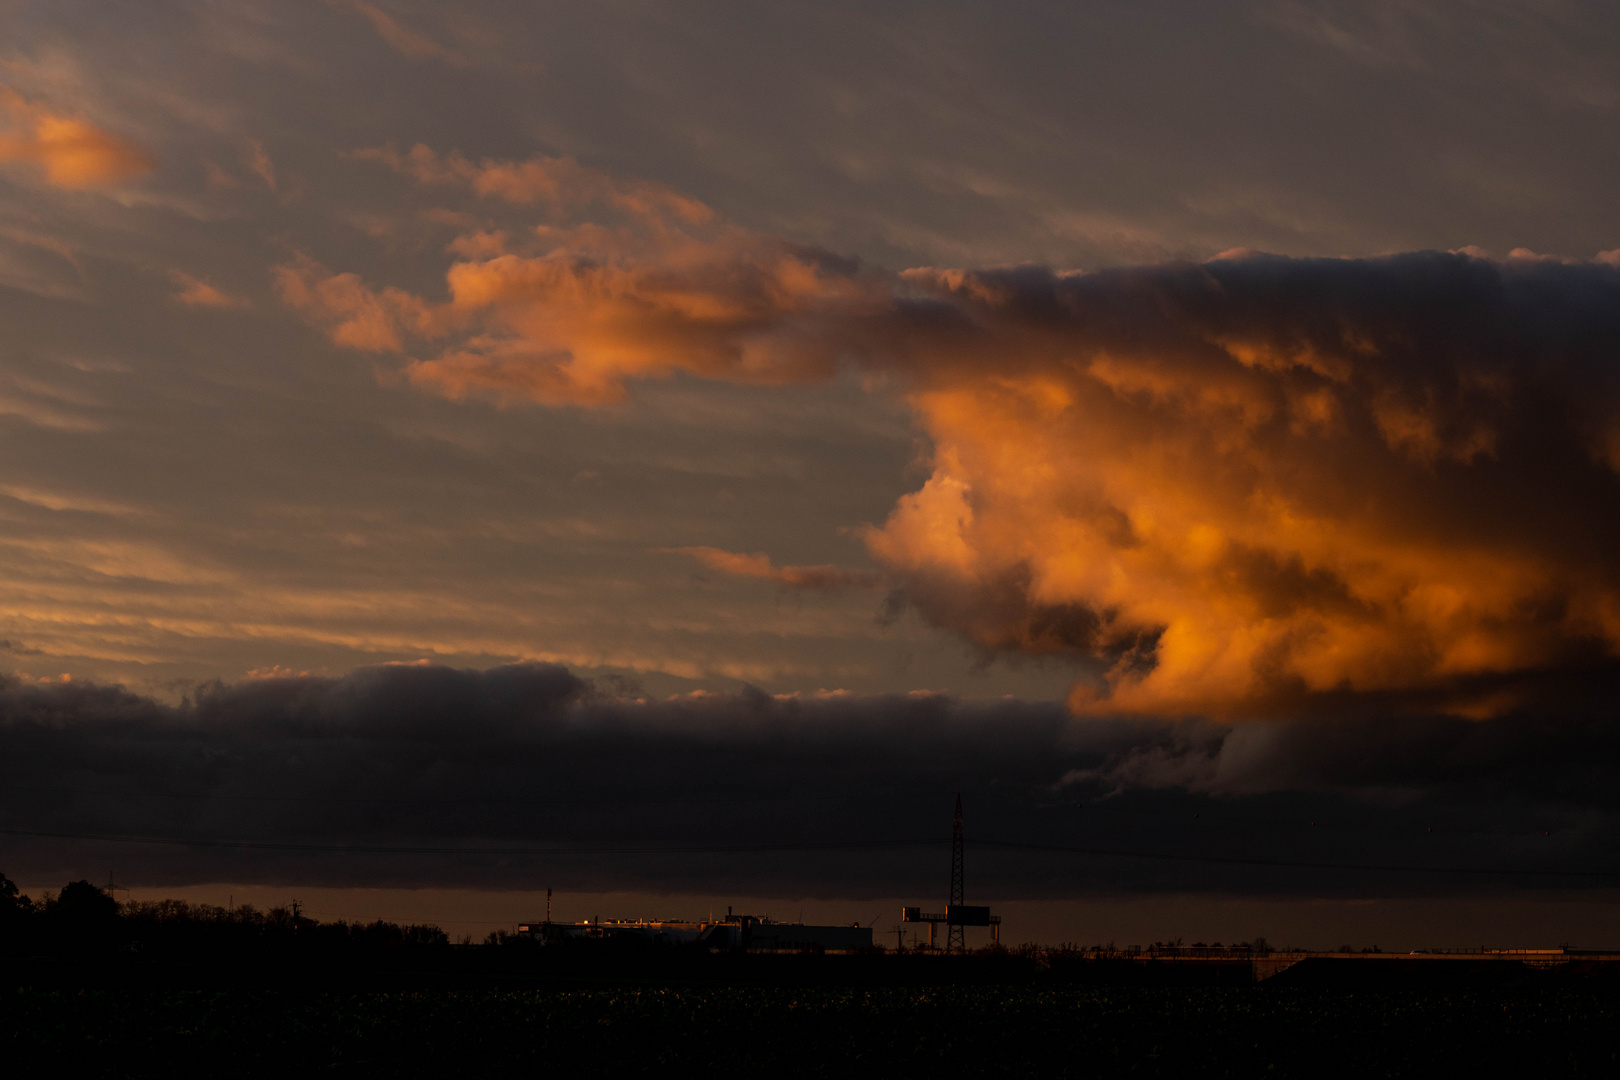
x,y
81,903
12,903
16,915
81,917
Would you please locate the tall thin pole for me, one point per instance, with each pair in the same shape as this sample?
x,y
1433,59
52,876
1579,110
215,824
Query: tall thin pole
x,y
956,939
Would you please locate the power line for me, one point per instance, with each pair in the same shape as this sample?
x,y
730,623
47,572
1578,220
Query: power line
x,y
569,799
393,849
561,797
847,845
1007,845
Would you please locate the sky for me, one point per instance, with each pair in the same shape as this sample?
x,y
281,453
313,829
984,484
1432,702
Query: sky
x,y
472,431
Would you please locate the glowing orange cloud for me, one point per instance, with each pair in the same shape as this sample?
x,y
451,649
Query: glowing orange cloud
x,y
354,315
197,293
595,305
821,578
557,181
70,151
1235,488
1255,484
404,40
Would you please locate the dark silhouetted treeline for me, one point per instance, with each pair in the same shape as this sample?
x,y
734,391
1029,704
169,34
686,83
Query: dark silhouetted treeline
x,y
82,937
83,922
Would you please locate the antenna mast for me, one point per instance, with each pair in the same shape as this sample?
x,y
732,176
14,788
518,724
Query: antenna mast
x,y
955,938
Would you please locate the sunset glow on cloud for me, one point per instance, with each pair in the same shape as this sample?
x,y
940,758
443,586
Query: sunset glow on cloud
x,y
584,306
792,577
1263,480
68,151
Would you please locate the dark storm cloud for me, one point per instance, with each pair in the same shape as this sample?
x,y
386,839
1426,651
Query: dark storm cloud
x,y
832,796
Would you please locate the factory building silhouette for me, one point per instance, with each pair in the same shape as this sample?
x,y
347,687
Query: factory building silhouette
x,y
762,933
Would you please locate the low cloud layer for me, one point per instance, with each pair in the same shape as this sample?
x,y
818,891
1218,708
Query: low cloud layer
x,y
402,775
1238,487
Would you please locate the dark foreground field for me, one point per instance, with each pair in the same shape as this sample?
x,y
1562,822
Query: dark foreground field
x,y
821,1031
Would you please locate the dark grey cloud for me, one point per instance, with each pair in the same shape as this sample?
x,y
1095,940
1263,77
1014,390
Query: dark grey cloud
x,y
839,796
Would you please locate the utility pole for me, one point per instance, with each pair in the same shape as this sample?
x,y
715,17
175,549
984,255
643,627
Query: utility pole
x,y
956,937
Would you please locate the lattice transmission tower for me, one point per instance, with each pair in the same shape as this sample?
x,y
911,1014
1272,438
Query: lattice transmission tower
x,y
956,938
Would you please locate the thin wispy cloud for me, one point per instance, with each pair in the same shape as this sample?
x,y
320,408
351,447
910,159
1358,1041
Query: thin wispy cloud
x,y
401,38
65,151
759,565
197,293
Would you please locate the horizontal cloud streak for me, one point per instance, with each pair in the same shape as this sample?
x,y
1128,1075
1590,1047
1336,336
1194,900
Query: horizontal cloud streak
x,y
783,795
404,40
791,577
562,183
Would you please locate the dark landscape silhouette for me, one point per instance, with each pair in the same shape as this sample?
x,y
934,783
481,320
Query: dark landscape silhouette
x,y
153,987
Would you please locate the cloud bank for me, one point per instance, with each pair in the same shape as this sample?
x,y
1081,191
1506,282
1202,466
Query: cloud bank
x,y
1253,486
525,776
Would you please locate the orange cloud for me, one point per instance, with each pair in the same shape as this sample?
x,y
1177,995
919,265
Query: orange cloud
x,y
352,314
567,327
479,244
277,671
403,39
1252,485
591,305
820,578
561,182
197,293
70,151
570,325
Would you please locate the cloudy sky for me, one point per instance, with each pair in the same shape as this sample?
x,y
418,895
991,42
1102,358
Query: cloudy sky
x,y
1161,408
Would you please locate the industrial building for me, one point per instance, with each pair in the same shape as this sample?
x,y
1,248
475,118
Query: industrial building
x,y
754,933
